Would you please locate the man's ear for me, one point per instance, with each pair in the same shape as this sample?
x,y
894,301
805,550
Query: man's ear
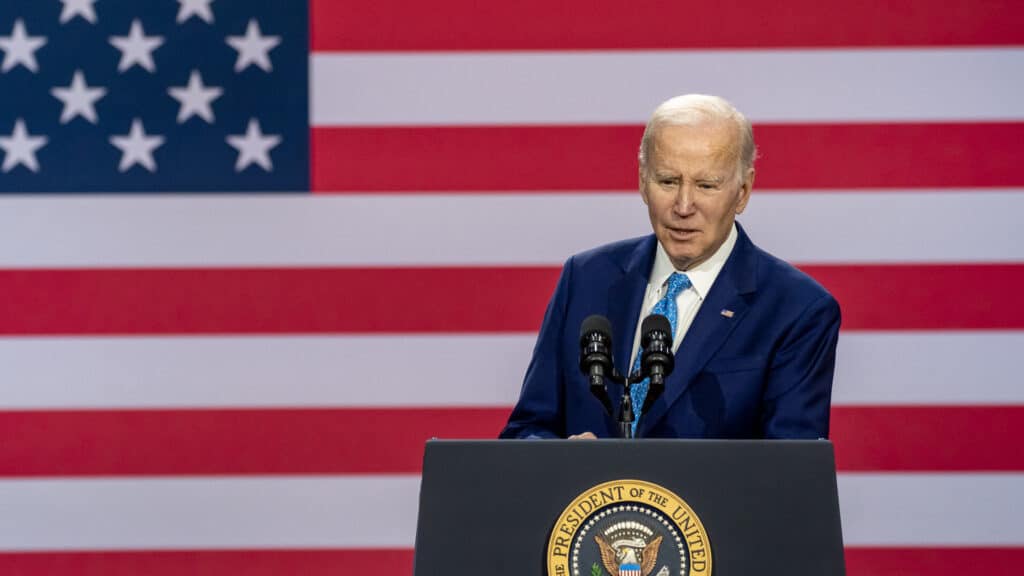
x,y
643,185
747,186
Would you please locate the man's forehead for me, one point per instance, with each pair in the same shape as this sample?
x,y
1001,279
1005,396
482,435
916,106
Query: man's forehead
x,y
716,135
711,138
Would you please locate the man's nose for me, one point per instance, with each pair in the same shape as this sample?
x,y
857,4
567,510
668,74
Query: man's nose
x,y
684,204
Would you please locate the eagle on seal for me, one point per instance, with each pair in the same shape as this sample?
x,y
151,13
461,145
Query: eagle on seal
x,y
646,557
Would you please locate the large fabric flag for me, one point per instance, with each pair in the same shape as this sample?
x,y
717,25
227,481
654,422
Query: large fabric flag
x,y
253,254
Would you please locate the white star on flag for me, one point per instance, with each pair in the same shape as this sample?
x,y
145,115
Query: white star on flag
x,y
136,48
254,147
253,48
199,8
137,147
83,8
195,99
79,99
20,48
20,148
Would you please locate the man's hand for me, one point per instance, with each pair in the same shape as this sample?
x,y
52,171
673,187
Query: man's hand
x,y
583,436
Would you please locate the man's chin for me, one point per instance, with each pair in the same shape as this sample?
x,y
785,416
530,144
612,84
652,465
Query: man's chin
x,y
681,260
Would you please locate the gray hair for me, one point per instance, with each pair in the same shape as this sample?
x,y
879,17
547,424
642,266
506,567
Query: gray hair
x,y
694,109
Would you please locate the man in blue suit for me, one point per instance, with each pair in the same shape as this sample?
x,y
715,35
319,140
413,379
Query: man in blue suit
x,y
755,338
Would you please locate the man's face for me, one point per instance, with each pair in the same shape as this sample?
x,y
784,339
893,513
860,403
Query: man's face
x,y
693,190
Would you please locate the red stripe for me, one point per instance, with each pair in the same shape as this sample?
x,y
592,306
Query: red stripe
x,y
579,24
926,297
934,561
335,441
384,562
398,562
299,441
924,438
363,300
562,158
294,300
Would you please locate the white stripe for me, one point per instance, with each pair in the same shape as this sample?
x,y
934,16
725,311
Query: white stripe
x,y
931,509
874,368
878,227
208,513
380,511
258,371
624,87
292,230
495,229
928,368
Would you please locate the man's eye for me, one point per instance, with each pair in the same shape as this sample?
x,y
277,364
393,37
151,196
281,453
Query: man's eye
x,y
667,182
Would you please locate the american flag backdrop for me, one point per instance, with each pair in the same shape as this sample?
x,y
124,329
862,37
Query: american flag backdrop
x,y
254,252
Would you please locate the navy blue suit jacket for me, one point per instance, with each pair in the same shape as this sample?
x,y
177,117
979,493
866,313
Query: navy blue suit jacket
x,y
765,371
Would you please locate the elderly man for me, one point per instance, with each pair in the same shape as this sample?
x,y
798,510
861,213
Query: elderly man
x,y
754,338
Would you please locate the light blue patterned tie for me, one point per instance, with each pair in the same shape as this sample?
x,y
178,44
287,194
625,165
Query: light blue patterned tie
x,y
677,282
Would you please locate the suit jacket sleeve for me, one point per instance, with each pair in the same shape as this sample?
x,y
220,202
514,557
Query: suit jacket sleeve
x,y
540,412
799,389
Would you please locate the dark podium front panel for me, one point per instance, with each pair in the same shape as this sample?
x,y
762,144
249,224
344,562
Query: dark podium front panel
x,y
769,507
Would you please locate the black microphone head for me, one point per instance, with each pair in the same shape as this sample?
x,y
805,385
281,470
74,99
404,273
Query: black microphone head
x,y
655,323
595,356
599,324
657,361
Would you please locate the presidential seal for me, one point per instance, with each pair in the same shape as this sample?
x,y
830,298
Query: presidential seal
x,y
628,528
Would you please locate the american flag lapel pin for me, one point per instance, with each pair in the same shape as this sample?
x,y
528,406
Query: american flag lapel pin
x,y
728,313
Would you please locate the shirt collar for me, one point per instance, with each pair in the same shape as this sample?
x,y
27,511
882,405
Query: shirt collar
x,y
701,276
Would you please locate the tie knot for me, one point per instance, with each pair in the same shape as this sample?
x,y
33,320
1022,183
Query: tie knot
x,y
677,282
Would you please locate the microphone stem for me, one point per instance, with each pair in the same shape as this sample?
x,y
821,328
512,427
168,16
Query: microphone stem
x,y
626,414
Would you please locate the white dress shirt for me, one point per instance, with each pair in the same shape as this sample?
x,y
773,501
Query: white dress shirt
x,y
688,301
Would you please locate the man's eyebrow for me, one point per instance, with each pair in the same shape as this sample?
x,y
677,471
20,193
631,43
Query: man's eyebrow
x,y
667,173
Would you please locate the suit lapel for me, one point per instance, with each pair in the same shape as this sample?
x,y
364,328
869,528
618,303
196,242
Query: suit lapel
x,y
625,297
710,327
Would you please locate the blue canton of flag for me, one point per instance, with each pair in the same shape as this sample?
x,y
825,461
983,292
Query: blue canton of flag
x,y
163,95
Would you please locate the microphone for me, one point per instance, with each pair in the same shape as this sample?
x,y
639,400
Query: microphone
x,y
657,360
595,355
